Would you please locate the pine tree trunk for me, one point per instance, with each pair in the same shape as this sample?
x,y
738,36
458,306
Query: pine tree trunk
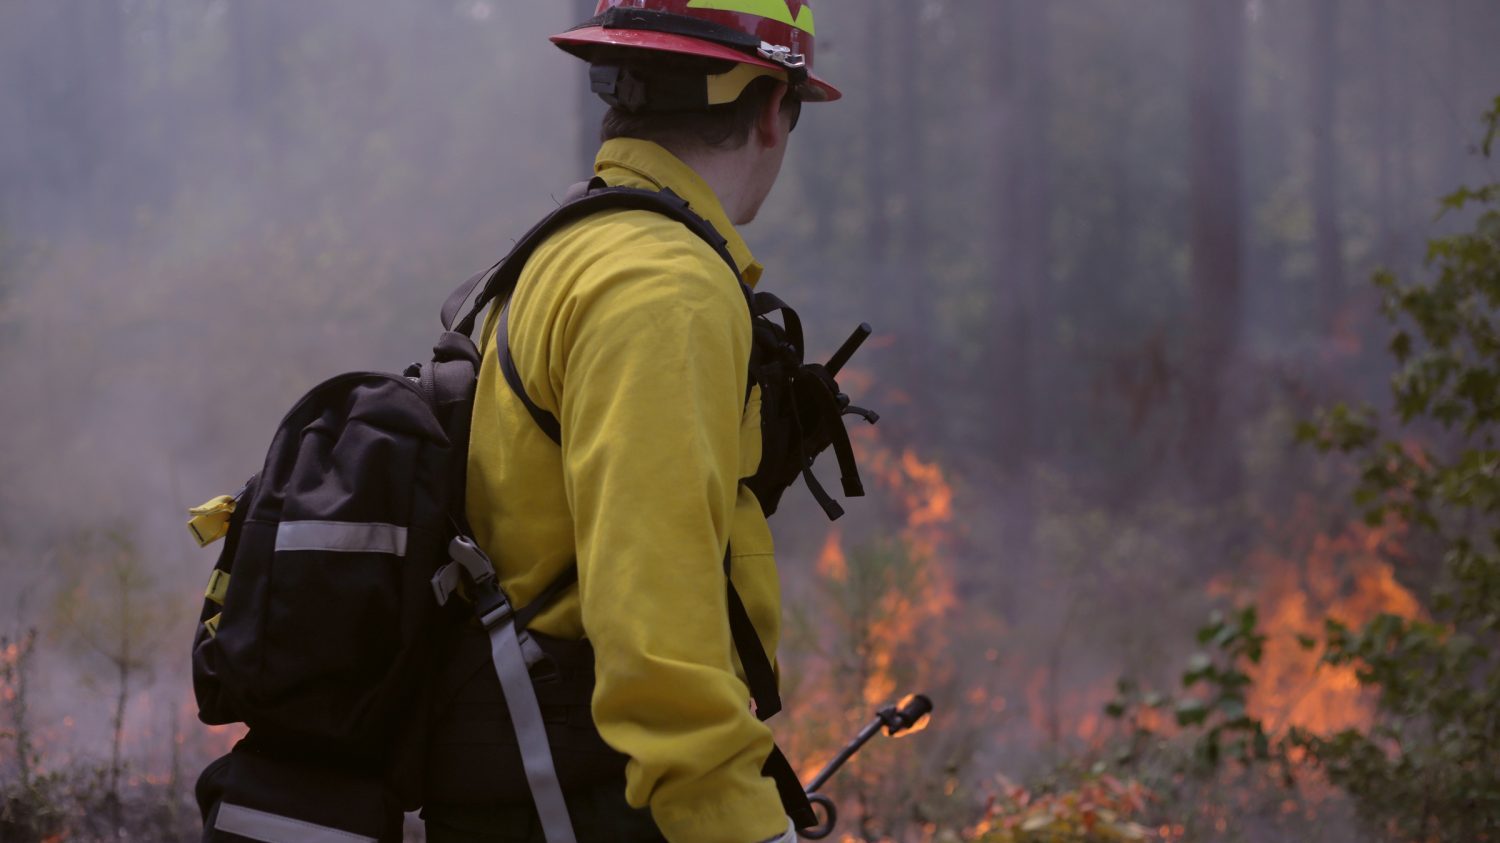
x,y
1322,117
877,120
1024,193
1215,237
911,307
1385,188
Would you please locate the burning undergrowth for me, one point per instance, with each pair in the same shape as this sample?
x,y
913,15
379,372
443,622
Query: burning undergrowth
x,y
1305,577
873,626
1232,748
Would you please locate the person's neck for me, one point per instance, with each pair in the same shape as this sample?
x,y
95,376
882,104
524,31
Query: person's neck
x,y
728,174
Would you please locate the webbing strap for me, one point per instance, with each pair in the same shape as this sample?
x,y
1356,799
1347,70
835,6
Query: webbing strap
x,y
759,674
789,788
500,280
554,589
544,420
761,677
596,197
456,300
830,506
767,303
531,733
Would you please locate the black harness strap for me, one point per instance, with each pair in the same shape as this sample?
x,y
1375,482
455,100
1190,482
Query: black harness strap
x,y
789,787
831,507
544,420
500,280
554,589
759,674
503,276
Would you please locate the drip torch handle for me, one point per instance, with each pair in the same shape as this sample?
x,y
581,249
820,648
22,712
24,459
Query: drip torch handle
x,y
869,731
830,818
851,345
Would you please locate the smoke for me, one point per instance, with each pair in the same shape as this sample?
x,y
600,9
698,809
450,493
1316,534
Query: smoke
x,y
207,207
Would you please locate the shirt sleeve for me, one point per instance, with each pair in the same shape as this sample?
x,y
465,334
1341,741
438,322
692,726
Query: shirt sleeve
x,y
653,358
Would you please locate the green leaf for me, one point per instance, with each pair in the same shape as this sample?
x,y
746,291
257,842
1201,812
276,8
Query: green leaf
x,y
1401,346
1191,712
1199,666
1232,709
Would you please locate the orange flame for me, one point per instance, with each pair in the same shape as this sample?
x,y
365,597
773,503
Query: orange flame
x,y
922,722
831,562
1347,577
890,605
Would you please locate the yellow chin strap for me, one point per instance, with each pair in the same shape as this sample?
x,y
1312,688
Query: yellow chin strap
x,y
727,87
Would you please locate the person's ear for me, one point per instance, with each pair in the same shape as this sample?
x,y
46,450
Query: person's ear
x,y
769,132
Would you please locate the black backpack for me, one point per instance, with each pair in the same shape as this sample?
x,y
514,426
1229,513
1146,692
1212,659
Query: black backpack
x,y
328,612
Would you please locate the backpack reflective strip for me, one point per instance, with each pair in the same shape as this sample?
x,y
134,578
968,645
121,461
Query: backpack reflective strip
x,y
341,537
273,828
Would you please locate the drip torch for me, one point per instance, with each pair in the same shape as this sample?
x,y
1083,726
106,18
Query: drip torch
x,y
911,714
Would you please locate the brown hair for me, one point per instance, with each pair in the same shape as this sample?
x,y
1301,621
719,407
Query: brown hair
x,y
725,126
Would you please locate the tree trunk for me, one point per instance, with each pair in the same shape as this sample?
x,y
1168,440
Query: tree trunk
x,y
1024,193
910,307
1215,95
1385,190
1407,212
877,119
1322,117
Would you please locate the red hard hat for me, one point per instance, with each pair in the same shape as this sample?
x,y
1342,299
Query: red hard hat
x,y
773,34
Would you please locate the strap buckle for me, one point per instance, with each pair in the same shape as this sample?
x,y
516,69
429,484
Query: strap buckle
x,y
475,563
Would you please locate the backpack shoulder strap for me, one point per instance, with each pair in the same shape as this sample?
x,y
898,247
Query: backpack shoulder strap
x,y
597,198
544,420
497,282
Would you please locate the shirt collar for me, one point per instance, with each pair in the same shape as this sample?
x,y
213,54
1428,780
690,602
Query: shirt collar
x,y
629,162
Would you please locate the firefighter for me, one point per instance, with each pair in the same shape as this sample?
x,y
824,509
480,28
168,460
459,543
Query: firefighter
x,y
632,333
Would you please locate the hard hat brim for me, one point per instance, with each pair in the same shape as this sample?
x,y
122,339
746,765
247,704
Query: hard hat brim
x,y
579,41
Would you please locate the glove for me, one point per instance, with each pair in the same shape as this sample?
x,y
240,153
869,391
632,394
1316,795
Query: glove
x,y
789,837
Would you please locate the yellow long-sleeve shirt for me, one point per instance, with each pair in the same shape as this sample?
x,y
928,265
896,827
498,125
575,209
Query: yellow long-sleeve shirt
x,y
633,332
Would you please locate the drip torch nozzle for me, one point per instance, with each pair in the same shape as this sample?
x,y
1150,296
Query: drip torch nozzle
x,y
905,715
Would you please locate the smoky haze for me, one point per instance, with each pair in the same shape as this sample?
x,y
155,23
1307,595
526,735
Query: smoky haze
x,y
1112,250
